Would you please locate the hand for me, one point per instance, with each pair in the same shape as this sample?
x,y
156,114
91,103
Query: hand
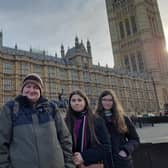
x,y
77,158
122,153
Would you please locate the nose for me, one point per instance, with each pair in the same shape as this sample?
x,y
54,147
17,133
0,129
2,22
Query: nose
x,y
76,102
31,89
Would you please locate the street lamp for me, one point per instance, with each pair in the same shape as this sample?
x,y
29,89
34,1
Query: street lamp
x,y
154,86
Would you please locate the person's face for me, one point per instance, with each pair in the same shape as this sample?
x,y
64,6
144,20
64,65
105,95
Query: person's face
x,y
32,92
77,103
107,102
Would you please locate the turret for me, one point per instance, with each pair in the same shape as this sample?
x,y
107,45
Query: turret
x,y
1,39
44,52
30,49
16,47
76,42
55,54
89,48
62,51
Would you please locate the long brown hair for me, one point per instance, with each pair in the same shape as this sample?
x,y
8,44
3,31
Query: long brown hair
x,y
117,110
69,118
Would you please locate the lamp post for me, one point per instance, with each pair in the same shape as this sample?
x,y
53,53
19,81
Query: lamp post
x,y
157,100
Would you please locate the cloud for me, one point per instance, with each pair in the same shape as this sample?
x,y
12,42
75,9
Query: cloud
x,y
47,24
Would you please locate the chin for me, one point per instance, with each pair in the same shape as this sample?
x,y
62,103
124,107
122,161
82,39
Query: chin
x,y
33,100
107,108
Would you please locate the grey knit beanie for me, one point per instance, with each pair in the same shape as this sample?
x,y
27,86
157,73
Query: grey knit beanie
x,y
33,78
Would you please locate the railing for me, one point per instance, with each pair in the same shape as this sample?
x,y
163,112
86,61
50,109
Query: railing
x,y
140,121
151,155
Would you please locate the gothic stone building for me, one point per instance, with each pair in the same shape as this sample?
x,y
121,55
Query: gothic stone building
x,y
139,75
138,42
74,70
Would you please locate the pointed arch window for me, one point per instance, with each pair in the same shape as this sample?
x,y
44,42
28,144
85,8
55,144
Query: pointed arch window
x,y
121,26
140,62
127,26
133,61
133,24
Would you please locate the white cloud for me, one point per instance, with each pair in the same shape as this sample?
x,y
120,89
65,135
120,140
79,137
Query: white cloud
x,y
47,24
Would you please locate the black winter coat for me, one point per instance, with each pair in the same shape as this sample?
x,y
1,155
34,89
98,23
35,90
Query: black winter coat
x,y
95,152
127,142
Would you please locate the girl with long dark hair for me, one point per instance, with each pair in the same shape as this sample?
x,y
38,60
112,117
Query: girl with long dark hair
x,y
89,133
124,138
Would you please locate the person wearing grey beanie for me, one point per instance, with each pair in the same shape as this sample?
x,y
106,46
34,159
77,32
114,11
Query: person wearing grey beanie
x,y
32,87
33,78
32,132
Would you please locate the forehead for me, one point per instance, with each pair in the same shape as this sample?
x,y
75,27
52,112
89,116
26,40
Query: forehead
x,y
107,96
31,84
77,96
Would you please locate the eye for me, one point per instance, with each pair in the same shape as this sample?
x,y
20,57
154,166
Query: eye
x,y
73,100
28,86
79,100
109,100
36,87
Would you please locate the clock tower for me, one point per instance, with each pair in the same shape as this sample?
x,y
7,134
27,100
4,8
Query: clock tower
x,y
137,36
138,41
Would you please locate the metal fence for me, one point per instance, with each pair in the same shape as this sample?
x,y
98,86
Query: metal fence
x,y
151,155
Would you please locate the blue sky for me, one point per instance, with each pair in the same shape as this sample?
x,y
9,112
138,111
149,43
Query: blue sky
x,y
46,24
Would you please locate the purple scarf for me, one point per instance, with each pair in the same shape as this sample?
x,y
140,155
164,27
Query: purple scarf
x,y
79,133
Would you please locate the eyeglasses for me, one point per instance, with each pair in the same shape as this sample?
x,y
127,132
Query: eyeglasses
x,y
76,100
109,100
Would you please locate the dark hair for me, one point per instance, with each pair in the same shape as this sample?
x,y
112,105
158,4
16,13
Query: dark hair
x,y
69,118
117,110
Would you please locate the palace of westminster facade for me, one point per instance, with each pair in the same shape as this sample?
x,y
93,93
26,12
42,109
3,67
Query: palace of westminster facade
x,y
139,76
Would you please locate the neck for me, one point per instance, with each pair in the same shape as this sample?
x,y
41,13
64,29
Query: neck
x,y
107,112
108,116
79,114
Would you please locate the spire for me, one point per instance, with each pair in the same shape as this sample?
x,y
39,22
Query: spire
x,y
16,47
44,52
56,54
1,39
76,42
82,42
30,49
62,51
82,45
89,48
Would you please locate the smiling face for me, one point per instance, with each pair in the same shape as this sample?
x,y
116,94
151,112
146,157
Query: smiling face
x,y
107,102
32,92
77,103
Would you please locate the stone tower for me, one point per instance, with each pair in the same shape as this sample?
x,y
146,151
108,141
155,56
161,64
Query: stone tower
x,y
137,36
138,40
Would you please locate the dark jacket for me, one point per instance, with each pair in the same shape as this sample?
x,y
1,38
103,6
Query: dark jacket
x,y
127,142
33,137
95,152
